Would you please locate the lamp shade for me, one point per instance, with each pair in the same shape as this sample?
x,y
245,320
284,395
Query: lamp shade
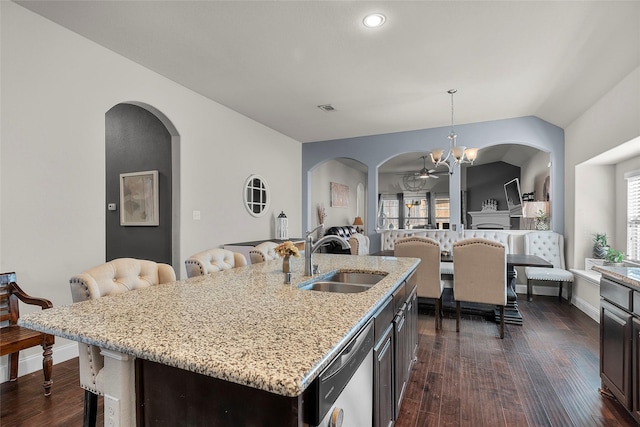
x,y
358,221
531,209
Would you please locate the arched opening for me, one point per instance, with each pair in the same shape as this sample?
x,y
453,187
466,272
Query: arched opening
x,y
408,201
349,179
139,138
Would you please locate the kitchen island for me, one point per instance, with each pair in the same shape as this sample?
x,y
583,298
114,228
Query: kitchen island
x,y
242,326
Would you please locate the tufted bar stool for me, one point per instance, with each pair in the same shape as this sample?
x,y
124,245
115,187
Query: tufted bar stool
x,y
263,252
359,244
548,245
212,261
114,277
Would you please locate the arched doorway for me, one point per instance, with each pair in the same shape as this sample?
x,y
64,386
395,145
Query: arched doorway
x,y
139,138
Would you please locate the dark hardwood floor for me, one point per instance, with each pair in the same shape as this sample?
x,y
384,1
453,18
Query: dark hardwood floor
x,y
544,373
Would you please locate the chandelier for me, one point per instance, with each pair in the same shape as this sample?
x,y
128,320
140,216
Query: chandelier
x,y
456,154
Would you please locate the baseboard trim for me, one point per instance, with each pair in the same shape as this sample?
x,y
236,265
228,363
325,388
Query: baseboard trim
x,y
33,363
552,291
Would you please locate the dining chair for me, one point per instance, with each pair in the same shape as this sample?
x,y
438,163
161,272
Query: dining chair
x,y
548,245
480,275
359,244
212,261
427,275
263,252
114,277
15,338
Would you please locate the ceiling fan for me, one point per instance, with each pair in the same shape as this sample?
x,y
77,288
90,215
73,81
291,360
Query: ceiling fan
x,y
425,173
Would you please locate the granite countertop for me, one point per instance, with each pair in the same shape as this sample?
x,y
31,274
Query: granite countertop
x,y
242,325
628,275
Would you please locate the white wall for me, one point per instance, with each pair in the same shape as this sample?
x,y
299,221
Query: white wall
x,y
334,171
56,89
533,174
611,121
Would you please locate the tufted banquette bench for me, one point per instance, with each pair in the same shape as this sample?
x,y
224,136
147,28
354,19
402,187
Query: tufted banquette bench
x,y
446,239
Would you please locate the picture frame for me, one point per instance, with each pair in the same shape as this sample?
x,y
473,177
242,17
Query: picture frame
x,y
139,204
339,195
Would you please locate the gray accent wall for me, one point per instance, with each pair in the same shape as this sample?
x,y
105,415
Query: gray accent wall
x,y
487,182
136,141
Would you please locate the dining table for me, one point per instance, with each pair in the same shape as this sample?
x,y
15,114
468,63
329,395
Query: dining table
x,y
512,314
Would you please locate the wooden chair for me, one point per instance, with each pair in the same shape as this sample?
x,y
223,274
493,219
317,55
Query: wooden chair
x,y
14,338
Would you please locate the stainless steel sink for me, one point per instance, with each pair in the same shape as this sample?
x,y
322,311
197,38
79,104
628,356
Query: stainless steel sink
x,y
344,282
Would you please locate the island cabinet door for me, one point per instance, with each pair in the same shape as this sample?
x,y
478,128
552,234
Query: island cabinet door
x,y
383,402
615,351
168,396
635,368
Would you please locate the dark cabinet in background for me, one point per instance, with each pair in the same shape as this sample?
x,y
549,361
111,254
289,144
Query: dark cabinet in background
x,y
620,342
383,403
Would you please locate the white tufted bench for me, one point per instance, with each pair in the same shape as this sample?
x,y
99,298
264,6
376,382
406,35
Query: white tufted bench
x,y
446,239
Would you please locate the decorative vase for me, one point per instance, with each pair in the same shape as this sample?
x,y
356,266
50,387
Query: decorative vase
x,y
600,251
542,225
286,264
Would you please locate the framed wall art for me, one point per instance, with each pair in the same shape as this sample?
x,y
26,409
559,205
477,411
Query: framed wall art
x,y
339,195
139,199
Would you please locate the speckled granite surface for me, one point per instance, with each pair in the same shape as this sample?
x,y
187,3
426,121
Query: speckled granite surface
x,y
242,325
628,275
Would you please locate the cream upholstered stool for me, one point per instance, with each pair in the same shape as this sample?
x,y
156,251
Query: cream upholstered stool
x,y
427,275
548,245
480,275
263,252
359,244
212,261
114,277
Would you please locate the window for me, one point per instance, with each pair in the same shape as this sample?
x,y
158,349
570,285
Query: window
x,y
416,213
388,211
633,215
442,212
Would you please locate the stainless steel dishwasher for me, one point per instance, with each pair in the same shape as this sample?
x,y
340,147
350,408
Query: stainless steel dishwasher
x,y
343,393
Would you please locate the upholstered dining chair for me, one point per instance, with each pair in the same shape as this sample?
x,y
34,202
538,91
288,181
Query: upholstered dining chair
x,y
212,261
548,245
480,275
263,252
427,275
114,277
359,244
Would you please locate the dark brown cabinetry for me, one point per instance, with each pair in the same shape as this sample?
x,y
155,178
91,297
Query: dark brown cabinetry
x,y
620,343
383,403
635,367
396,334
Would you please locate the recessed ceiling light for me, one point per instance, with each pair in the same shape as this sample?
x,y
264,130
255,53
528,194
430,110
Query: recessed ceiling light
x,y
374,20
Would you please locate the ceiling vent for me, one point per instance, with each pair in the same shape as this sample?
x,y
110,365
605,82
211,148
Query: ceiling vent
x,y
326,108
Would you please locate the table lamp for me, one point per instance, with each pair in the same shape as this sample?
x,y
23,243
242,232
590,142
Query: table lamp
x,y
358,222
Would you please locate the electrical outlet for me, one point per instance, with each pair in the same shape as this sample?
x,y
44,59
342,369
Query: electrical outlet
x,y
196,215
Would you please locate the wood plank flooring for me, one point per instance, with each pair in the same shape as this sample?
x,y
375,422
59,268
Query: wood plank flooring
x,y
544,373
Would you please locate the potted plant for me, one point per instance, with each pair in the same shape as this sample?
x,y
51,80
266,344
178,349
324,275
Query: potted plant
x,y
600,245
614,257
542,220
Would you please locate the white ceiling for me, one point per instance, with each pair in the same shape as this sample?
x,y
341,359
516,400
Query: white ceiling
x,y
276,61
